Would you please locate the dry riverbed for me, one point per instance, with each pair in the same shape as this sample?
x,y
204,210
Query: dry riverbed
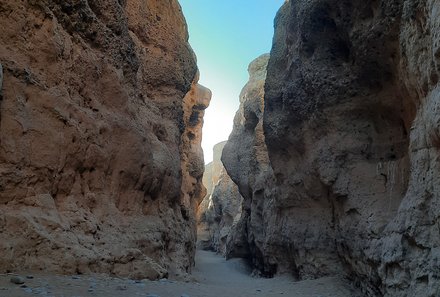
x,y
213,277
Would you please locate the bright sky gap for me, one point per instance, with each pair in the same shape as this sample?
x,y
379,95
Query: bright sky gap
x,y
226,36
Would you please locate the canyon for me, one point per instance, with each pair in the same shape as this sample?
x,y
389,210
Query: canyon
x,y
331,170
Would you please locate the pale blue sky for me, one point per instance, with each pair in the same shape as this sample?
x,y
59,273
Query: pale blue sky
x,y
226,36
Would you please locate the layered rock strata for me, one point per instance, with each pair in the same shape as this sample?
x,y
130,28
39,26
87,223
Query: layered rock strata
x,y
220,210
351,127
100,124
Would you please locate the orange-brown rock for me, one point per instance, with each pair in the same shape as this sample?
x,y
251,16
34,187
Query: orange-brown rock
x,y
100,164
193,190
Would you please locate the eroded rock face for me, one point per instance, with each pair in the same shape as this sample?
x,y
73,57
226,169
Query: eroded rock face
x,y
220,210
246,160
100,123
351,127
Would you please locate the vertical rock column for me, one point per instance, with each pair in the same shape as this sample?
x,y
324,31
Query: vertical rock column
x,y
246,161
220,210
193,191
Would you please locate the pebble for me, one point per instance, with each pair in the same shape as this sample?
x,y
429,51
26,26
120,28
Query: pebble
x,y
29,276
18,280
121,287
28,290
39,290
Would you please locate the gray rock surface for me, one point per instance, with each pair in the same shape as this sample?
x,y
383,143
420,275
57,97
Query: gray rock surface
x,y
351,125
220,211
18,280
246,160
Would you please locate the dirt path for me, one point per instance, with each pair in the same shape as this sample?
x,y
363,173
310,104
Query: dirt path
x,y
214,277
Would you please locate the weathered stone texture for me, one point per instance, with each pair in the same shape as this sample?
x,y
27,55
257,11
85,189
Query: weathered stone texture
x,y
221,208
99,169
351,125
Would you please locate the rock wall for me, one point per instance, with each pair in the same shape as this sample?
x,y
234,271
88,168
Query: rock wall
x,y
351,127
246,160
220,210
100,124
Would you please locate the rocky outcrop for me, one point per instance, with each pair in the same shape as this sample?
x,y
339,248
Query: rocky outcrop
x,y
246,160
193,191
100,123
220,210
351,127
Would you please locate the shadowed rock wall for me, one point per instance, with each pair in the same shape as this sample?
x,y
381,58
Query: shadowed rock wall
x,y
351,128
246,160
100,124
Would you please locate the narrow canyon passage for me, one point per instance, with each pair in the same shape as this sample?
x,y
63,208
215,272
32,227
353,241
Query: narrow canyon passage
x,y
329,181
213,277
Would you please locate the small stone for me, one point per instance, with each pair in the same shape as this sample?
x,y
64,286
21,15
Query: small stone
x,y
258,290
121,287
18,280
39,290
75,277
29,277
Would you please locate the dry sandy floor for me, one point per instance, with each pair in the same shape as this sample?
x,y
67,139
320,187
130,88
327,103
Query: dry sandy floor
x,y
214,277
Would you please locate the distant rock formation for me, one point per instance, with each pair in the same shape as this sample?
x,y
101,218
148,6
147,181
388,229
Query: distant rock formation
x,y
220,210
351,124
100,123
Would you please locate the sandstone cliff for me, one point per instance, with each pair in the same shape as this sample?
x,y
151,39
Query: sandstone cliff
x,y
220,210
100,124
351,125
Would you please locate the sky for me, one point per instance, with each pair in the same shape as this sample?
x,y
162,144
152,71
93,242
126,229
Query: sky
x,y
226,36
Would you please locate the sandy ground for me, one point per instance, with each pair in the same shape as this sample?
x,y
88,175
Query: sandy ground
x,y
213,277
